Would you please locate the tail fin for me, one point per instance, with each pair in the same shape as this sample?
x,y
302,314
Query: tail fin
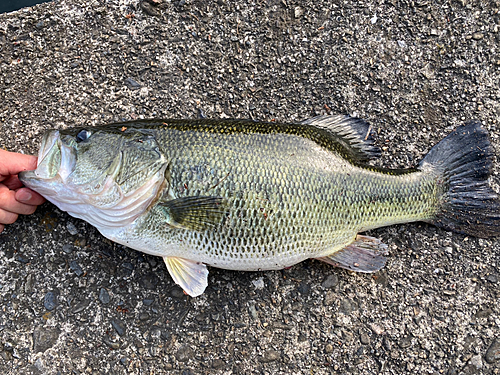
x,y
464,160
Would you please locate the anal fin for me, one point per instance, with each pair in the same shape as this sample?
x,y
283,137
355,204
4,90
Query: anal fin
x,y
189,275
365,254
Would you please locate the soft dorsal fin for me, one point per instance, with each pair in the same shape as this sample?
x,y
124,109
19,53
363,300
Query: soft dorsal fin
x,y
353,134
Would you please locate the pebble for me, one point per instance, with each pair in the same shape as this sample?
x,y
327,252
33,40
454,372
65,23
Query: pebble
x,y
492,278
119,326
104,296
177,292
328,348
259,283
76,268
68,249
79,307
405,342
364,338
270,356
184,353
253,311
218,363
149,281
112,344
132,84
330,281
477,36
44,338
493,352
304,288
30,283
148,301
476,361
50,301
71,228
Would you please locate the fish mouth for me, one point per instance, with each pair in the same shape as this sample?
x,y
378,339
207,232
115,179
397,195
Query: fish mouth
x,y
56,160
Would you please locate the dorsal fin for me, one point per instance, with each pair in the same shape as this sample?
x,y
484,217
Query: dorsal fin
x,y
354,134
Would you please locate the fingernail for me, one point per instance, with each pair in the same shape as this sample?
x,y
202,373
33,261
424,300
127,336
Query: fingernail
x,y
24,196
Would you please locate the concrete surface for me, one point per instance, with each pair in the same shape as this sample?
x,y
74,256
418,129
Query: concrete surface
x,y
74,303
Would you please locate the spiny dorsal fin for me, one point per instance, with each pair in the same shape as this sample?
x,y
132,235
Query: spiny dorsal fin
x,y
354,134
195,213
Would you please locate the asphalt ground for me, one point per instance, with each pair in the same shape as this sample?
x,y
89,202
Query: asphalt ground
x,y
74,303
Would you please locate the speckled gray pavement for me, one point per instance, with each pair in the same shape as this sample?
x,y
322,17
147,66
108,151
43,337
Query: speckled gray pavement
x,y
74,303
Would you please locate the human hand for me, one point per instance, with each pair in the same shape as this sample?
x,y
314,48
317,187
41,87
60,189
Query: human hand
x,y
15,199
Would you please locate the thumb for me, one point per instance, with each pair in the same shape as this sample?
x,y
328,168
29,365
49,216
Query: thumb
x,y
12,163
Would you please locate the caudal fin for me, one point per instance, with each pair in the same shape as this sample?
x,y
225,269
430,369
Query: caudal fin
x,y
463,161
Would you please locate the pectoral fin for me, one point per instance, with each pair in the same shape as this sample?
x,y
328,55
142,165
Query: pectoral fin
x,y
195,213
365,254
190,276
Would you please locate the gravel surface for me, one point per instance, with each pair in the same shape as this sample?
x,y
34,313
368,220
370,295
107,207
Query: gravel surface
x,y
75,303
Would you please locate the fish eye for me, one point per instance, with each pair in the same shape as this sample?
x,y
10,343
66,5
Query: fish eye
x,y
82,135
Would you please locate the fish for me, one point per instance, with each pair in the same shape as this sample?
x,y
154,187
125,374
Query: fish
x,y
251,196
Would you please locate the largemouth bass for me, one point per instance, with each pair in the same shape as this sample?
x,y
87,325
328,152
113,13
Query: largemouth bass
x,y
245,195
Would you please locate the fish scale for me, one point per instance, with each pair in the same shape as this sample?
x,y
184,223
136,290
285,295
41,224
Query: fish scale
x,y
247,195
329,199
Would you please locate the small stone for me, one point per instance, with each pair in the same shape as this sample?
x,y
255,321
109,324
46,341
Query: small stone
x,y
253,311
68,249
492,278
44,338
148,301
493,352
477,36
184,353
132,84
218,363
259,283
376,329
104,296
364,338
177,292
330,281
476,361
405,342
304,288
270,356
30,283
76,268
401,43
298,11
346,306
328,348
71,228
79,307
149,9
124,361
111,344
149,281
50,301
119,326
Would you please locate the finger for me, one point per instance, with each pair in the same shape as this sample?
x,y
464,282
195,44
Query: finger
x,y
12,182
9,203
2,228
12,163
29,197
7,217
